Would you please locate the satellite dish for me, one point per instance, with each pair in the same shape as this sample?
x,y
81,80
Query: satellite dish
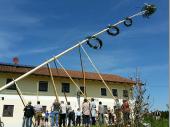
x,y
16,60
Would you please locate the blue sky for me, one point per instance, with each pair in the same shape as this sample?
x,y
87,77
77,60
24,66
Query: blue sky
x,y
35,30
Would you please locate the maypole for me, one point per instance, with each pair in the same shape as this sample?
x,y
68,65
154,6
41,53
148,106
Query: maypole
x,y
146,11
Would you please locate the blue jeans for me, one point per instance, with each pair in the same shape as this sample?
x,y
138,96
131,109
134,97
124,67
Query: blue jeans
x,y
27,122
54,115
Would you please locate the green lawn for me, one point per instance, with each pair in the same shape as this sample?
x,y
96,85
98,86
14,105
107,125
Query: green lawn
x,y
158,123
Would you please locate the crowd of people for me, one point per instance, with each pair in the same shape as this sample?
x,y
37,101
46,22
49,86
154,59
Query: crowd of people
x,y
62,114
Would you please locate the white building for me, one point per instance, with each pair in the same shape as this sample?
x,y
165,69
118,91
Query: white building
x,y
38,86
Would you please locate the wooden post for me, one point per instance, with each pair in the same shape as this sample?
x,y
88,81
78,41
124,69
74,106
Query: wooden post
x,y
20,94
37,91
22,98
52,80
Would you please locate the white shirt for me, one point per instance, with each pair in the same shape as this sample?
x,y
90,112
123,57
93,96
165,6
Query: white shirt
x,y
78,113
101,109
38,108
63,109
93,109
69,109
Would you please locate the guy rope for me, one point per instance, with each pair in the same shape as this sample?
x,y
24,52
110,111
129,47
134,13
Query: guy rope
x,y
83,72
146,11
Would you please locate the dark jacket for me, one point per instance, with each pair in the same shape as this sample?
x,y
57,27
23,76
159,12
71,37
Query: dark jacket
x,y
29,111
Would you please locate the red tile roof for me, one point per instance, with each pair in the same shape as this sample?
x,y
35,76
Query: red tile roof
x,y
9,68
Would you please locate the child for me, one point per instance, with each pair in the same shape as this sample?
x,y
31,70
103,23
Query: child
x,y
110,117
46,118
78,117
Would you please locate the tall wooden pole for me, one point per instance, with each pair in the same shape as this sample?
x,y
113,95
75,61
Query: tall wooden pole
x,y
52,80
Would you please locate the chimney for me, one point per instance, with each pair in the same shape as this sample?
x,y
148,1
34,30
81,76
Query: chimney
x,y
16,60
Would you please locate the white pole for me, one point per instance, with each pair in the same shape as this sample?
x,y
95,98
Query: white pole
x,y
64,52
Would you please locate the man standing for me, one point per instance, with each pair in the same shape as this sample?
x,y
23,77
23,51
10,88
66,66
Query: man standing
x,y
117,109
71,115
86,113
126,112
55,113
101,113
93,111
38,113
62,119
28,114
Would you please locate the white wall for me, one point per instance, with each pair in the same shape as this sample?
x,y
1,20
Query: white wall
x,y
16,120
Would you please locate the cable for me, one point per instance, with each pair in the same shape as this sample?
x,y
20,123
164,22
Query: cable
x,y
82,69
71,78
97,72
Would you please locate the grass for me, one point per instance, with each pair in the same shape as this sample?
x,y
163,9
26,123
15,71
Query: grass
x,y
157,123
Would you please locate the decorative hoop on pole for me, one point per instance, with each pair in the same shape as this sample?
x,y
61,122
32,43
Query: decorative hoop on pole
x,y
115,32
98,45
128,22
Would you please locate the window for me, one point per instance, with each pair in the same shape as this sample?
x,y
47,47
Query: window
x,y
103,92
43,86
82,89
114,92
13,87
8,110
65,87
125,93
105,109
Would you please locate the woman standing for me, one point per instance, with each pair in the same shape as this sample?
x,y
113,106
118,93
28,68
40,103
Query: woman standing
x,y
86,113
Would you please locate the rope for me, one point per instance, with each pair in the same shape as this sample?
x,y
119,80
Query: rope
x,y
82,69
56,67
52,80
71,78
98,72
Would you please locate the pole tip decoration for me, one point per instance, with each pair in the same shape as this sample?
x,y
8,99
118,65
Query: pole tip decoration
x,y
149,10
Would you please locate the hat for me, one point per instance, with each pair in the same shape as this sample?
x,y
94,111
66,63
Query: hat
x,y
29,102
